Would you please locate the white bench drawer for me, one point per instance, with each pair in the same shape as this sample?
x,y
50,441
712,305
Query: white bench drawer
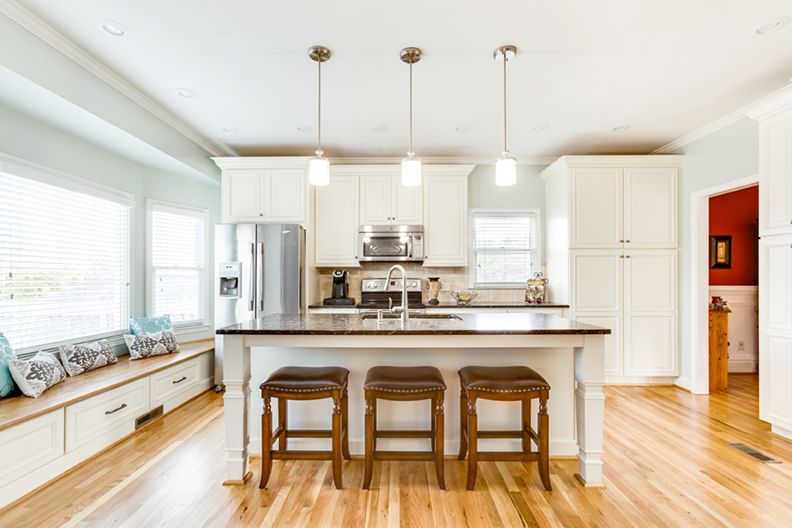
x,y
30,445
174,386
107,417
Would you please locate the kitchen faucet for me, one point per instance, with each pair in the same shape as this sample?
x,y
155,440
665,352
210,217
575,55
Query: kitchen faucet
x,y
403,308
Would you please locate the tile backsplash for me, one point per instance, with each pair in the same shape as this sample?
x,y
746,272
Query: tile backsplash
x,y
452,279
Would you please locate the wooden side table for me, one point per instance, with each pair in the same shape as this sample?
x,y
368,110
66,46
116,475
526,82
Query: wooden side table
x,y
718,349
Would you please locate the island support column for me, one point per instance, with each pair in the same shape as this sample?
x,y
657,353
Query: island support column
x,y
236,378
590,404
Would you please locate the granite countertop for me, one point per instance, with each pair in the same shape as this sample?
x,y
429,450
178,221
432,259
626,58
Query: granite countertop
x,y
474,305
355,324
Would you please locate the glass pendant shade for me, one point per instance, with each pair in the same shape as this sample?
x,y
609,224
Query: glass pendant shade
x,y
411,172
506,171
319,170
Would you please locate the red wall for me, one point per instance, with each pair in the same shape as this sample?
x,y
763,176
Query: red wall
x,y
736,214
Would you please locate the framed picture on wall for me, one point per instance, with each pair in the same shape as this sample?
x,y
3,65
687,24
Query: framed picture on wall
x,y
720,251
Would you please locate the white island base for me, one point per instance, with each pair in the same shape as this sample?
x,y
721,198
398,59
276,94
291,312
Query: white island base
x,y
571,363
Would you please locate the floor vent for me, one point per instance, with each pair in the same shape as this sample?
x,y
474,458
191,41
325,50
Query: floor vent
x,y
761,457
149,417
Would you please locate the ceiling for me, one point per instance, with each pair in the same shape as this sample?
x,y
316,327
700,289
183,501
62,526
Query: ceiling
x,y
583,68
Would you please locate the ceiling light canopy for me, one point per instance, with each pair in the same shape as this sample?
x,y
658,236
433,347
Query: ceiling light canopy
x,y
506,166
185,92
113,27
411,166
319,166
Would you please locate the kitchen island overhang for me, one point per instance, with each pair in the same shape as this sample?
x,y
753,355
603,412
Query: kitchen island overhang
x,y
330,339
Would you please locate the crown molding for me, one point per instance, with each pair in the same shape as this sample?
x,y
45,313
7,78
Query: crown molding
x,y
759,109
53,38
448,160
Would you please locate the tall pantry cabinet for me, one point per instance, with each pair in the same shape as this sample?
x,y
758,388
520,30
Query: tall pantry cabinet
x,y
775,263
612,255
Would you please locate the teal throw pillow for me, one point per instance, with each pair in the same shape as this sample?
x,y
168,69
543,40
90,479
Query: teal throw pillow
x,y
150,325
6,354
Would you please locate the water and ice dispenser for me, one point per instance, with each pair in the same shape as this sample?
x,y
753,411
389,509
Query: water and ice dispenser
x,y
230,278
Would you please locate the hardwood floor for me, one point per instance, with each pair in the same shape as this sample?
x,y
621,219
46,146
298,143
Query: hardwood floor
x,y
668,463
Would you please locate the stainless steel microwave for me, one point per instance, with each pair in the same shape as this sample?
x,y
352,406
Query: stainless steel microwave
x,y
391,243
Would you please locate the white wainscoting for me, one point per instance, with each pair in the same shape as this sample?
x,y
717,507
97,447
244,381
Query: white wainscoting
x,y
743,325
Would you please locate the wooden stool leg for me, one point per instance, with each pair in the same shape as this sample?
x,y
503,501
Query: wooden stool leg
x,y
282,410
439,438
266,441
336,436
544,443
370,417
472,419
463,425
526,425
345,425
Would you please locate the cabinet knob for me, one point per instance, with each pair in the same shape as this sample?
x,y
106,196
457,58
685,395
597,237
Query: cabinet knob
x,y
627,256
261,214
627,241
621,241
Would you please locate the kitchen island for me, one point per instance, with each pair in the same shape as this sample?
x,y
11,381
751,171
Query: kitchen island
x,y
567,353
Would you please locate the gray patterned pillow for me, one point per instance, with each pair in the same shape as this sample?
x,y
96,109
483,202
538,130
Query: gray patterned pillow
x,y
37,374
78,359
144,346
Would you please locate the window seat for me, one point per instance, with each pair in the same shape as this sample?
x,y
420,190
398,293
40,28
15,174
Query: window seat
x,y
41,438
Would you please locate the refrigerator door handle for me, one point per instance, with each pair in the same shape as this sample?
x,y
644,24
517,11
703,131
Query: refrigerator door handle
x,y
260,276
252,296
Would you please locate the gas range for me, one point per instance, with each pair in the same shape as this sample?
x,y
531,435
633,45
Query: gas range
x,y
373,294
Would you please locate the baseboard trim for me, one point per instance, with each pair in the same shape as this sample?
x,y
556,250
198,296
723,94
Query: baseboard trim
x,y
640,380
781,431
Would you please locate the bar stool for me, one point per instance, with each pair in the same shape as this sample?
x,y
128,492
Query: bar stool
x,y
504,384
404,384
305,383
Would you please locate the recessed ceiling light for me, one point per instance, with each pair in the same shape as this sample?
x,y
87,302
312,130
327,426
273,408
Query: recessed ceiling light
x,y
304,128
380,128
541,128
113,27
621,128
230,129
463,128
770,27
185,92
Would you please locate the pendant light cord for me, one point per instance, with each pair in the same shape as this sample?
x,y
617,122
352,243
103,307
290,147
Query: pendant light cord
x,y
505,59
319,110
410,153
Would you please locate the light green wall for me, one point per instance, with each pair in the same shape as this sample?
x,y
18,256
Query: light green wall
x,y
24,137
528,193
727,155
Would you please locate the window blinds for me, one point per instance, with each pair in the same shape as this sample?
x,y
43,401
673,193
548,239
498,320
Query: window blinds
x,y
64,263
178,254
503,246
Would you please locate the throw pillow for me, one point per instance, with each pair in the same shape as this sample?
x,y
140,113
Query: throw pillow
x,y
37,374
78,359
144,346
150,325
6,354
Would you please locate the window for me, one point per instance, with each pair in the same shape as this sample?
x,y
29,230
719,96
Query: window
x,y
503,248
64,260
177,262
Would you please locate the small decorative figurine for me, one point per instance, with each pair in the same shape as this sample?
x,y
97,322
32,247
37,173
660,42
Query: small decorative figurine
x,y
535,290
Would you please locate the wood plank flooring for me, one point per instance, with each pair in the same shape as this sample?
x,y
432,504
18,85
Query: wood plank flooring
x,y
668,463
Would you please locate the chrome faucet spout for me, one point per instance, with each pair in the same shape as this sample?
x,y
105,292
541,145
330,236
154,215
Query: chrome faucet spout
x,y
404,312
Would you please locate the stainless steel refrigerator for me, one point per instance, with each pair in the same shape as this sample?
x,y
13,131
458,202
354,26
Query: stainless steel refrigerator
x,y
258,271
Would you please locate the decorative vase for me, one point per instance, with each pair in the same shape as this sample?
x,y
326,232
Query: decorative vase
x,y
434,288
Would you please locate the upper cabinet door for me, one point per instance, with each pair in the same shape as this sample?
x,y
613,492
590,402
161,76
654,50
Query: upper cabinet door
x,y
406,203
650,208
241,190
596,208
283,195
337,222
775,175
375,200
445,220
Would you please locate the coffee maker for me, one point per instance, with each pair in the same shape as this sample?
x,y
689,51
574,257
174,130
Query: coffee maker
x,y
340,290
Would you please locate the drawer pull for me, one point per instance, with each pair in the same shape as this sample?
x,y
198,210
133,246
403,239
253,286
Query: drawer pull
x,y
123,406
179,380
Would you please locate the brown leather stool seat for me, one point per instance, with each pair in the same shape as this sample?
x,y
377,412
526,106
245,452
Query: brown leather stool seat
x,y
517,383
404,379
404,384
305,383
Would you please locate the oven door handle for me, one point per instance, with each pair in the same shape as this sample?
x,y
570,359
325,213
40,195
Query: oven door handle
x,y
409,246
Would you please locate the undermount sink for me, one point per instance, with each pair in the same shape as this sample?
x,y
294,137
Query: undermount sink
x,y
392,316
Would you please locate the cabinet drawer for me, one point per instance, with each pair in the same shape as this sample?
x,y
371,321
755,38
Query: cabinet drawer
x,y
106,417
172,387
30,445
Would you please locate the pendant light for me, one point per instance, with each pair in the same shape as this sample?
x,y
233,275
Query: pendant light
x,y
506,166
319,166
411,166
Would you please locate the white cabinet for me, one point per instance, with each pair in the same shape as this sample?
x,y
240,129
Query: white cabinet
x,y
263,189
596,211
445,220
337,221
176,385
30,445
650,207
384,200
775,175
